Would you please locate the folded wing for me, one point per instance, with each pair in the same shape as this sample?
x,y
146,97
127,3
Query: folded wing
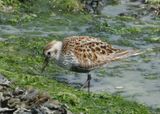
x,y
94,54
89,53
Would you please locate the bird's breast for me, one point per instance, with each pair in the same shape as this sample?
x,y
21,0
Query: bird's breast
x,y
67,61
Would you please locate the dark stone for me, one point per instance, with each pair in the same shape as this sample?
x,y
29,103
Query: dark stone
x,y
18,92
62,110
27,101
4,81
93,6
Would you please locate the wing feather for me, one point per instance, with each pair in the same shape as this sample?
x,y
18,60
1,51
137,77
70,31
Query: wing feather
x,y
90,53
70,43
95,54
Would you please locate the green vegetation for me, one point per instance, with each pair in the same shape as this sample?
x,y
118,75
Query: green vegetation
x,y
21,61
9,5
21,56
153,1
153,40
32,6
67,5
20,11
77,101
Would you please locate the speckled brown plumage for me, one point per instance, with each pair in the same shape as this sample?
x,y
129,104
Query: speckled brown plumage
x,y
70,43
90,52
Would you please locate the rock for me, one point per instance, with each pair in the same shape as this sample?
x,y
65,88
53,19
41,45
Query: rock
x,y
51,106
18,92
14,102
6,110
27,101
1,88
93,6
22,111
4,81
29,94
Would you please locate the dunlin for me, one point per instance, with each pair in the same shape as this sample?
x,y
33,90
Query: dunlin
x,y
83,54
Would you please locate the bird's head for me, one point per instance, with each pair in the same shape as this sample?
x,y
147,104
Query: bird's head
x,y
51,51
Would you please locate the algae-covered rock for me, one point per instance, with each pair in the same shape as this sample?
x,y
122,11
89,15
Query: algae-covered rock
x,y
27,101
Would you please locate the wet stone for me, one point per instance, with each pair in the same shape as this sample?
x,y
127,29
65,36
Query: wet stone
x,y
6,111
51,105
1,88
93,6
4,81
14,102
27,101
29,95
22,111
18,92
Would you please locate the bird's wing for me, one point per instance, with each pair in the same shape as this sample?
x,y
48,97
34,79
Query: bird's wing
x,y
94,54
70,43
89,52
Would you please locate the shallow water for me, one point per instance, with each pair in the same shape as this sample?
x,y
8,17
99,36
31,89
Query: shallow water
x,y
136,78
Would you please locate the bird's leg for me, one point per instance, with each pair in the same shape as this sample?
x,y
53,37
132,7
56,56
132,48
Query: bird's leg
x,y
87,82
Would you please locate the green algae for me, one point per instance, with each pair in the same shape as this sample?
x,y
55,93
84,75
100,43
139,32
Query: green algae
x,y
152,77
153,40
67,5
153,1
77,101
21,58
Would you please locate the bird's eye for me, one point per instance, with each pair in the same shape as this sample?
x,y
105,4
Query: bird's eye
x,y
49,53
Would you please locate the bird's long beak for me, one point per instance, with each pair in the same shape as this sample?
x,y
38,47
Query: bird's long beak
x,y
45,63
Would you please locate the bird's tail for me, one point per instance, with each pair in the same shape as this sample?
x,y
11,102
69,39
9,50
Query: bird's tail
x,y
124,54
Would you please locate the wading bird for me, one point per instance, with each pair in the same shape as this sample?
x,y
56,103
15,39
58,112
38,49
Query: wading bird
x,y
83,54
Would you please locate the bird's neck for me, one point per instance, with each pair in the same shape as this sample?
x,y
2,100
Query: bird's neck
x,y
59,48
